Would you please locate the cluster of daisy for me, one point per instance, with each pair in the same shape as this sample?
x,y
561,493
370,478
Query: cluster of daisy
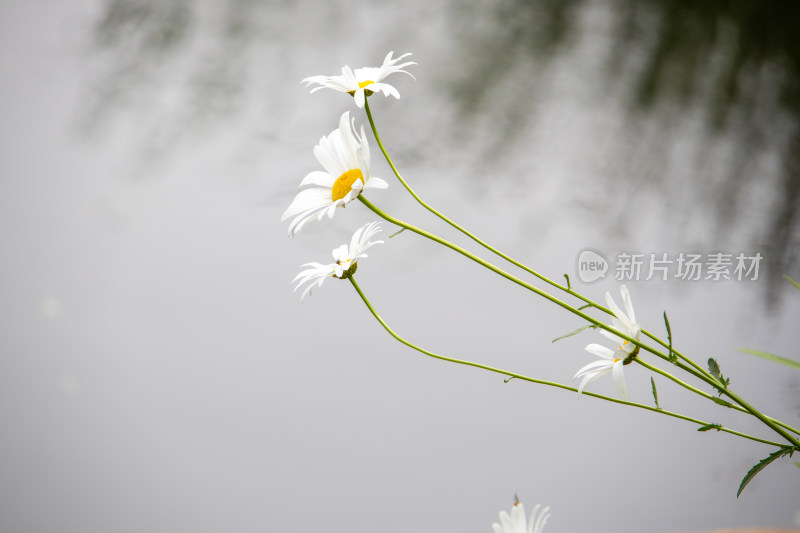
x,y
344,154
345,157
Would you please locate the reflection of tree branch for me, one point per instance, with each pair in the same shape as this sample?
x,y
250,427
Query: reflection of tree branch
x,y
191,63
151,27
738,61
517,29
762,35
176,66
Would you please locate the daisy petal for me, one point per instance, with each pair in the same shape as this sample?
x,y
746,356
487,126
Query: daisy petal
x,y
626,301
345,259
601,351
357,82
619,380
344,154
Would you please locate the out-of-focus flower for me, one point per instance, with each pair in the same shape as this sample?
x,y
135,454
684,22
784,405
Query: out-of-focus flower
x,y
363,81
516,523
345,260
344,154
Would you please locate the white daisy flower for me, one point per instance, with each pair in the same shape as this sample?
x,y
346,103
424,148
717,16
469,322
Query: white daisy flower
x,y
344,154
363,81
345,257
613,360
516,523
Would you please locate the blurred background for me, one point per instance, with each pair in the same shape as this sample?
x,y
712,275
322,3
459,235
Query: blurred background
x,y
157,373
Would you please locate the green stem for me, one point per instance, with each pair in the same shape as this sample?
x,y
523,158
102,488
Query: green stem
x,y
708,396
510,277
708,378
767,420
464,230
699,372
704,374
677,380
696,370
540,381
564,305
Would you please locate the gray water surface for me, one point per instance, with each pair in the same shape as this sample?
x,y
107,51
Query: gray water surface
x,y
157,373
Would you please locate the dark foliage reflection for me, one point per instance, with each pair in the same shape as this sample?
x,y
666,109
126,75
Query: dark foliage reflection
x,y
737,61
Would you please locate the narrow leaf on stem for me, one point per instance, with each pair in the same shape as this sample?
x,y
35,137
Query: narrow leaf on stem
x,y
672,357
714,370
713,367
762,464
721,402
655,392
570,334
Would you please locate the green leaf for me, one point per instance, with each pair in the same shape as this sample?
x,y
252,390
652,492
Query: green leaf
x,y
570,334
655,392
720,401
713,367
672,357
715,371
762,464
772,357
796,464
709,427
793,282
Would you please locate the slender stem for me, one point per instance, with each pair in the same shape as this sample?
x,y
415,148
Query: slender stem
x,y
696,369
707,377
767,420
539,381
569,308
699,371
785,425
464,230
705,394
709,396
678,381
510,277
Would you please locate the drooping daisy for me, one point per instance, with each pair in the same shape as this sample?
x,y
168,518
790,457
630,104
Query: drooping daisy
x,y
345,260
344,154
516,523
363,81
613,360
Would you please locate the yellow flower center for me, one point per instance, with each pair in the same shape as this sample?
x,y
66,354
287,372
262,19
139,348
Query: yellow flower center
x,y
349,268
361,85
344,183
